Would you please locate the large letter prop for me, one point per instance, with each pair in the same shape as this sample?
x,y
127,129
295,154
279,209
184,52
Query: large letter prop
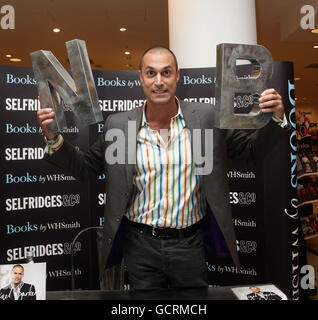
x,y
54,83
228,84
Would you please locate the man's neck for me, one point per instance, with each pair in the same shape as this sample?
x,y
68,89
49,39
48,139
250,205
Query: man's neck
x,y
16,285
160,114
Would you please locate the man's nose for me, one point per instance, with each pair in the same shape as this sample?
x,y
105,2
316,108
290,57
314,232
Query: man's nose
x,y
158,79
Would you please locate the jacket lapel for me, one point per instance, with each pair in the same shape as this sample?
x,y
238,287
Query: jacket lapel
x,y
191,116
192,120
131,132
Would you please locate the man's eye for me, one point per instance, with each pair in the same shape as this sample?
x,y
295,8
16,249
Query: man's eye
x,y
167,72
150,73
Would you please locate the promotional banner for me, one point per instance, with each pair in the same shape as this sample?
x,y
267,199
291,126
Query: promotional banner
x,y
43,208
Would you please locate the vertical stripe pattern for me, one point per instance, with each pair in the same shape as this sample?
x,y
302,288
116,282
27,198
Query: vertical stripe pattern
x,y
168,191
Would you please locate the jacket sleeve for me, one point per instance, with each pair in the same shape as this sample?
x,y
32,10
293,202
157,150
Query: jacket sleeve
x,y
81,165
253,146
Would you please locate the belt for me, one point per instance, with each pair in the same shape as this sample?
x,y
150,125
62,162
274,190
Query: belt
x,y
166,233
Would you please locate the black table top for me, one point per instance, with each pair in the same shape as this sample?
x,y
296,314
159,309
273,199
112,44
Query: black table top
x,y
214,293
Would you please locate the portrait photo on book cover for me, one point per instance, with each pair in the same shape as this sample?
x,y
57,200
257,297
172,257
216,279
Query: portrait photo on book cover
x,y
259,292
23,281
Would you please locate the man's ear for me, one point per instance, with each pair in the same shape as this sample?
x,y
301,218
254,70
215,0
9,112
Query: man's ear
x,y
178,75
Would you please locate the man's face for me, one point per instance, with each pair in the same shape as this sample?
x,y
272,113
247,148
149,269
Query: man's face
x,y
159,77
17,274
255,289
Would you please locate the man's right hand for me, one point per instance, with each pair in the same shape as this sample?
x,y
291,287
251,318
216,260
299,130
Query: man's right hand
x,y
45,117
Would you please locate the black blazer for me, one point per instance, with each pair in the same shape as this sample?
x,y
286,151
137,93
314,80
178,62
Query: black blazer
x,y
27,292
267,295
119,186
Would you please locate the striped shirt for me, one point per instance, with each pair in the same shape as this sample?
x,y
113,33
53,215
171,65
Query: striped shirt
x,y
168,191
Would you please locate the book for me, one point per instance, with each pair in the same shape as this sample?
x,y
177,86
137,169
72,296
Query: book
x,y
259,292
23,281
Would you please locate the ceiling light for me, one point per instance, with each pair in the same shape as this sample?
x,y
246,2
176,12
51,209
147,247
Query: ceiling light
x,y
315,47
123,29
56,30
314,31
9,55
296,79
15,59
127,52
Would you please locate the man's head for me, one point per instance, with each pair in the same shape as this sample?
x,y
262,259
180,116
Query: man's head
x,y
159,74
255,289
17,274
158,49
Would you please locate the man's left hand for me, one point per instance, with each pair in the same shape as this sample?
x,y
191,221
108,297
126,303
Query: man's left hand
x,y
271,101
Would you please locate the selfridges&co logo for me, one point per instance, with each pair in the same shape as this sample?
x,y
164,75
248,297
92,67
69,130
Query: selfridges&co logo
x,y
244,198
199,81
39,202
25,80
41,250
12,154
246,246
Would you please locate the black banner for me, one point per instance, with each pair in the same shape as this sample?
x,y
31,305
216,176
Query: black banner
x,y
43,208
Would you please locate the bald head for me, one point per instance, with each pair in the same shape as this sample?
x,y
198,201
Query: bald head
x,y
158,50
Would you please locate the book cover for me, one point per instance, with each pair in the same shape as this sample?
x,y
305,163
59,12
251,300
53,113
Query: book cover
x,y
23,281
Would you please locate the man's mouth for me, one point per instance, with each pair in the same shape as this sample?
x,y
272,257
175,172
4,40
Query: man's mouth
x,y
159,91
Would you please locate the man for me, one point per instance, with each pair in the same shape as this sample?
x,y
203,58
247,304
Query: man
x,y
156,202
17,289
